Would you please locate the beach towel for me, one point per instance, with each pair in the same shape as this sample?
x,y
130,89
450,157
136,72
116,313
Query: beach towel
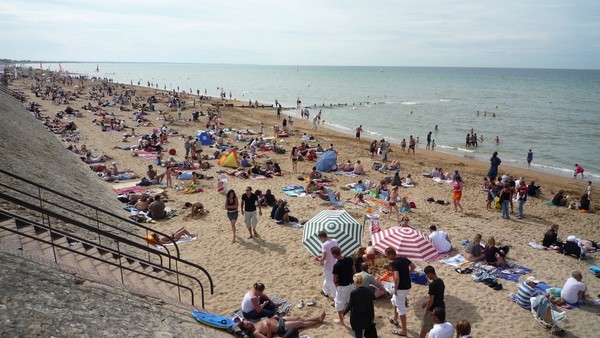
x,y
439,180
455,261
537,246
183,239
511,272
128,190
293,187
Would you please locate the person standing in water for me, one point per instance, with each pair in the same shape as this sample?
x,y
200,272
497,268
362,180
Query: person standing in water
x,y
529,158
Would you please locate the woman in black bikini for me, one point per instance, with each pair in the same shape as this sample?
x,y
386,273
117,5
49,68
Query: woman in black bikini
x,y
231,205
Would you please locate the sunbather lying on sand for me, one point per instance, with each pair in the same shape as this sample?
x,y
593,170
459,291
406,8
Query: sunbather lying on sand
x,y
155,239
279,326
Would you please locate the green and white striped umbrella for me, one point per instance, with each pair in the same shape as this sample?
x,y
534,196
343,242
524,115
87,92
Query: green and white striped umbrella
x,y
339,225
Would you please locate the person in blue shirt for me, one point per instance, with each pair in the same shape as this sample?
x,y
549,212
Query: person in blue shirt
x,y
525,291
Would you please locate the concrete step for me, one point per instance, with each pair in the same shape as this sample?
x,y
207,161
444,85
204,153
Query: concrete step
x,y
9,240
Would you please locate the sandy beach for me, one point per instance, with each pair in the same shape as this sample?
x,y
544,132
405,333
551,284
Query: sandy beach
x,y
278,259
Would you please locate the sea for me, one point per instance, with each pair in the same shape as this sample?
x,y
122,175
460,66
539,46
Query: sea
x,y
554,112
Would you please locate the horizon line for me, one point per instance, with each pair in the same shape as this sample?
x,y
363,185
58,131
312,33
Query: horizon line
x,y
5,61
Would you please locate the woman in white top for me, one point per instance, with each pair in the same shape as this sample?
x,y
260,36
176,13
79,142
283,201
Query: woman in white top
x,y
256,304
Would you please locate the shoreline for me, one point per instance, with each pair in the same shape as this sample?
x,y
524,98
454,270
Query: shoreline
x,y
479,157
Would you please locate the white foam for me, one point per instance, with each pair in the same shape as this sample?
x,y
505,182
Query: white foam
x,y
409,103
445,100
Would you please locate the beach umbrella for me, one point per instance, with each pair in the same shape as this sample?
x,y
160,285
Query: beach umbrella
x,y
407,242
339,225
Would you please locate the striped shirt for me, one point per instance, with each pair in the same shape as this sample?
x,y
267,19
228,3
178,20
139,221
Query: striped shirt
x,y
524,294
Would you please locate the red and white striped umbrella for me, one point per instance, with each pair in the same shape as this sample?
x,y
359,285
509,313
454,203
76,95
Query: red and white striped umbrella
x,y
407,242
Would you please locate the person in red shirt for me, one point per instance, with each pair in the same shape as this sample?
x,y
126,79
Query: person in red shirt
x,y
578,170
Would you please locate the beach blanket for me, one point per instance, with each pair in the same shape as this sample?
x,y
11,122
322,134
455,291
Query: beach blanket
x,y
455,261
439,180
346,173
549,203
283,306
128,190
293,187
184,239
511,272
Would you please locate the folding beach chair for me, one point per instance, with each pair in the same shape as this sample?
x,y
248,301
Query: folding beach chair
x,y
545,315
332,199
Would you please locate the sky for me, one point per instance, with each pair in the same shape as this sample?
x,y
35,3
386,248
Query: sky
x,y
438,33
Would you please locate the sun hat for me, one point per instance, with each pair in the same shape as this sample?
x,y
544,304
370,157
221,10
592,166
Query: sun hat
x,y
533,279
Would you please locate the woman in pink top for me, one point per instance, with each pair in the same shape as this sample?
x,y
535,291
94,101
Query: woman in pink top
x,y
457,193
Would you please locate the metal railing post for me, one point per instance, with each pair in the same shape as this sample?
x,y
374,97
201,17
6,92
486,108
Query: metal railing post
x,y
120,265
98,227
51,239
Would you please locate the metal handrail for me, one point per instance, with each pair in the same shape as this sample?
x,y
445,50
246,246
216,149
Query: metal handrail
x,y
122,219
103,247
75,212
178,285
98,231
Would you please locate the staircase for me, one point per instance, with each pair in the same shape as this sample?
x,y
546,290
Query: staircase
x,y
94,244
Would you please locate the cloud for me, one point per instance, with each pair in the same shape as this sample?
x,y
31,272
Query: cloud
x,y
403,33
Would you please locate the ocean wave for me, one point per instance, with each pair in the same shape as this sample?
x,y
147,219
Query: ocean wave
x,y
409,103
338,126
464,150
445,100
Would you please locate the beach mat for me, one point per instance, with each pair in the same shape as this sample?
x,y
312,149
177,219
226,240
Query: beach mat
x,y
511,272
185,239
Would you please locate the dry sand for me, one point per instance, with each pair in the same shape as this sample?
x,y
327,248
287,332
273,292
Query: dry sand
x,y
278,259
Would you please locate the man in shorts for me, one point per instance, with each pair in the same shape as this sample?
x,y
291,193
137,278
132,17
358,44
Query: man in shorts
x,y
249,204
435,300
401,267
343,271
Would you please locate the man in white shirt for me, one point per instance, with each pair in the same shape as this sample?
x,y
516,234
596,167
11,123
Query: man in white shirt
x,y
439,239
441,328
328,261
574,290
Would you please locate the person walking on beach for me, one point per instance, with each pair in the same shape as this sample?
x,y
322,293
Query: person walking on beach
x,y
522,196
435,299
294,154
360,305
529,158
343,271
249,204
358,131
401,267
278,111
327,261
231,205
411,144
384,150
428,146
315,122
457,193
505,195
373,148
578,170
188,145
494,163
